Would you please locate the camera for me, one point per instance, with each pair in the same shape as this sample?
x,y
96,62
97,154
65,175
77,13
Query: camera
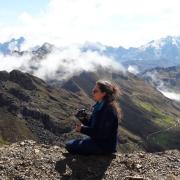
x,y
82,114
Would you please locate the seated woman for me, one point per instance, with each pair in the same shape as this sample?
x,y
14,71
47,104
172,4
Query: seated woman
x,y
102,126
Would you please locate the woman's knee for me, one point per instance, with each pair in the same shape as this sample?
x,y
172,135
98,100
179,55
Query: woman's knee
x,y
71,145
68,143
89,147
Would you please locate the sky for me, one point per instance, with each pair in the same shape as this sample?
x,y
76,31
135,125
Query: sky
x,y
111,22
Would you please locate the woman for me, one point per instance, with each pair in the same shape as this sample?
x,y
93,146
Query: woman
x,y
102,126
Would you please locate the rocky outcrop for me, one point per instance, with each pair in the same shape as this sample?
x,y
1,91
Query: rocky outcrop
x,y
20,94
7,100
29,160
46,120
22,79
4,75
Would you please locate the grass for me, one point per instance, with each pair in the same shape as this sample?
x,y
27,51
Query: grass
x,y
159,117
13,128
166,140
124,132
3,142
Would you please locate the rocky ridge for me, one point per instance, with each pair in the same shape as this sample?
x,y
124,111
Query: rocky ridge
x,y
30,160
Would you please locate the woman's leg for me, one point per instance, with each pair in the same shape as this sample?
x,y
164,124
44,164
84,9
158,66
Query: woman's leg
x,y
72,145
83,146
88,147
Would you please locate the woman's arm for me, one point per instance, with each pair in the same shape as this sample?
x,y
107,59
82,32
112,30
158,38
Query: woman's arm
x,y
83,117
105,130
87,120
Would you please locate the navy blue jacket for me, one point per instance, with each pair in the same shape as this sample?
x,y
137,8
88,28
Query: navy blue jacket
x,y
102,127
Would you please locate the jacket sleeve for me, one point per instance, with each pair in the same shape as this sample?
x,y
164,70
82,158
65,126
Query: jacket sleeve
x,y
87,121
106,128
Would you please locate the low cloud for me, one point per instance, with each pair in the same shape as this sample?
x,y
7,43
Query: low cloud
x,y
133,69
160,86
60,64
171,95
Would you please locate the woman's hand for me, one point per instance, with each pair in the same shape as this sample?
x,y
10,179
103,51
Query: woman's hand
x,y
78,127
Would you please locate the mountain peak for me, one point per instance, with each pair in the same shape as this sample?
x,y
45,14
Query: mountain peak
x,y
160,43
8,47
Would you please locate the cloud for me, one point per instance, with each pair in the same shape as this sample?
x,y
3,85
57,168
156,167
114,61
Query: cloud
x,y
69,61
133,69
161,87
111,22
60,64
9,63
171,95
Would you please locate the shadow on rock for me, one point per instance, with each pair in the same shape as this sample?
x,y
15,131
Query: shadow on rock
x,y
78,167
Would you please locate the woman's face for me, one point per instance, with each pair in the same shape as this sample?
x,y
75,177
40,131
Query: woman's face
x,y
97,94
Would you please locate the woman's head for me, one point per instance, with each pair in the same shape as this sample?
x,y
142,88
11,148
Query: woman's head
x,y
105,90
108,91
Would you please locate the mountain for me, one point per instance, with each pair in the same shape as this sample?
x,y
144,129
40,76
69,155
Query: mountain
x,y
30,108
9,47
163,52
41,51
146,110
31,160
166,80
35,109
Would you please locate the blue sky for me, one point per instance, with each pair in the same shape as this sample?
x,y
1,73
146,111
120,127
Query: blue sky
x,y
111,22
9,9
17,6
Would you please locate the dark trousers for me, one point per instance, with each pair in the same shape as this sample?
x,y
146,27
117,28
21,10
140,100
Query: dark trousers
x,y
84,146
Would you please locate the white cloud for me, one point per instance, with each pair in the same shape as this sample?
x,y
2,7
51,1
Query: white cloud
x,y
113,22
9,63
133,69
161,87
60,64
171,95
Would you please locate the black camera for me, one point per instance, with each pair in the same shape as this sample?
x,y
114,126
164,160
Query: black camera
x,y
82,114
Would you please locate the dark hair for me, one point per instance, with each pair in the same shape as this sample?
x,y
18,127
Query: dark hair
x,y
113,94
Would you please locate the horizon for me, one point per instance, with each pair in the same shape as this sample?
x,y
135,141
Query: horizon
x,y
90,42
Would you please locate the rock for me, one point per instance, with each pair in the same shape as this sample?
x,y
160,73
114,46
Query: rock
x,y
20,94
23,79
4,75
36,151
134,178
141,155
54,162
22,143
138,166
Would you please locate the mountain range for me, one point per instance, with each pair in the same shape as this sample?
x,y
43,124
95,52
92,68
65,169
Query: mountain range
x,y
31,108
163,52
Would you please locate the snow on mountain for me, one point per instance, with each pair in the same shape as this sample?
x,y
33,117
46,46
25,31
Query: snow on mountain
x,y
12,45
164,48
163,52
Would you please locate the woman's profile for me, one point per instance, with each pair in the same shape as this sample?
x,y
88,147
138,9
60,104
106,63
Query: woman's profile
x,y
102,126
